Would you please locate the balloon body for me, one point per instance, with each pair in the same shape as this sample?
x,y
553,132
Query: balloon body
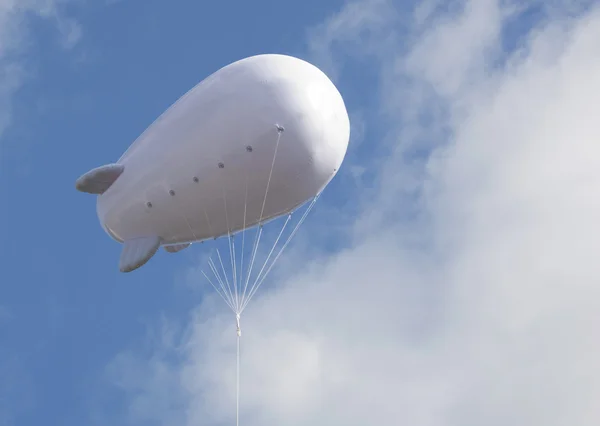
x,y
269,125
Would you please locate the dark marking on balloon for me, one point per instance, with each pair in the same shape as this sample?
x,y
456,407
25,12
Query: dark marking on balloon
x,y
221,165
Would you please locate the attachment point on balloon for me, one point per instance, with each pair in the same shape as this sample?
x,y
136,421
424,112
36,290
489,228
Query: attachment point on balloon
x,y
249,148
149,204
195,179
279,128
221,165
171,192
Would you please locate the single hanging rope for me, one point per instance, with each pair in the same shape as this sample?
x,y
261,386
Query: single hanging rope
x,y
237,373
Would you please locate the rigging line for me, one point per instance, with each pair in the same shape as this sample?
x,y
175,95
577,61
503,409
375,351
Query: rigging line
x,y
222,281
270,173
214,269
217,290
249,150
211,262
281,250
219,280
231,252
259,232
290,237
234,278
243,236
225,274
218,275
254,250
268,257
223,295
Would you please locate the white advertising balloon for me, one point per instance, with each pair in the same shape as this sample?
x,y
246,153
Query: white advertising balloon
x,y
251,142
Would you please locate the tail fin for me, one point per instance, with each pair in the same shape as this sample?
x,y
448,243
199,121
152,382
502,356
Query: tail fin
x,y
98,180
136,252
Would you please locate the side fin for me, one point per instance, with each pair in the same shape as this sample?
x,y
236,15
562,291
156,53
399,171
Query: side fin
x,y
176,247
98,180
136,252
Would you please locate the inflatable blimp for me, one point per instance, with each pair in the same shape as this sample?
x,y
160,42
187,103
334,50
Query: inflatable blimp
x,y
251,142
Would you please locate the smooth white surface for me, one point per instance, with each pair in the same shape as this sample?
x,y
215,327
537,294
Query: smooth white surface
x,y
238,106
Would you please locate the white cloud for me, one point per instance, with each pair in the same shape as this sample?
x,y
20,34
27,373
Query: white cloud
x,y
482,309
15,42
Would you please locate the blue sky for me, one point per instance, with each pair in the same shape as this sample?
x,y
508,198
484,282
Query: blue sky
x,y
425,285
